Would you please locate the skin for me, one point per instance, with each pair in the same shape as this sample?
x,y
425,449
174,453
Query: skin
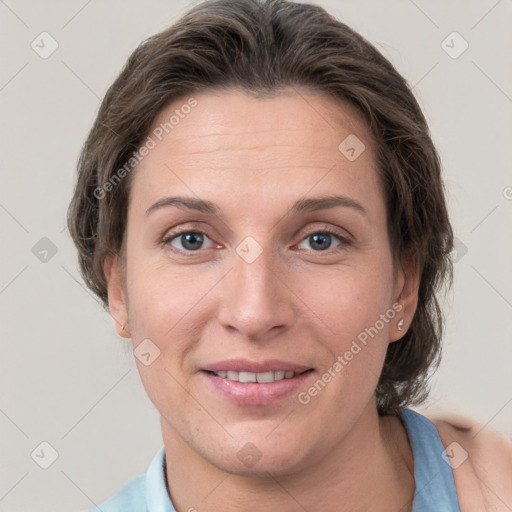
x,y
254,158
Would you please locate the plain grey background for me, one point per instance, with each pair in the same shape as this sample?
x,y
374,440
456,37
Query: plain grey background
x,y
66,377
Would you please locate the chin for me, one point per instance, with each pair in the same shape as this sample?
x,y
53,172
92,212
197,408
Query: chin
x,y
259,457
263,467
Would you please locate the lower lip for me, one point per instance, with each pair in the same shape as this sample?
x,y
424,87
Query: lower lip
x,y
252,393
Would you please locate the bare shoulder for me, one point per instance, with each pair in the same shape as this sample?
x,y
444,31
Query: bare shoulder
x,y
481,460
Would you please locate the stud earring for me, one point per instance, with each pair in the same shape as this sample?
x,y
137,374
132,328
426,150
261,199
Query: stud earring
x,y
123,326
400,324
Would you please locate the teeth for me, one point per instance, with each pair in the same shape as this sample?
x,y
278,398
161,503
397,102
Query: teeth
x,y
265,377
255,377
247,377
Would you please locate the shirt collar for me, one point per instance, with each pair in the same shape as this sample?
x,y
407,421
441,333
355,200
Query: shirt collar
x,y
157,496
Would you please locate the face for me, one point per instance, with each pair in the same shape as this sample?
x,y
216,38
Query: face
x,y
249,276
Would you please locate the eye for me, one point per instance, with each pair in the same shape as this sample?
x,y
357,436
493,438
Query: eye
x,y
190,241
322,240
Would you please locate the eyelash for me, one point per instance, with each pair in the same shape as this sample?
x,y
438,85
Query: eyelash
x,y
344,241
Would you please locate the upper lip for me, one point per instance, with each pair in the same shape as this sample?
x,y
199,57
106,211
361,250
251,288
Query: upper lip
x,y
246,365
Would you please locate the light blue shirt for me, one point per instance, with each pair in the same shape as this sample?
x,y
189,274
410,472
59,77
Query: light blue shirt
x,y
435,487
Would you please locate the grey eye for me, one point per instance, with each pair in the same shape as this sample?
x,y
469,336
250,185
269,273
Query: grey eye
x,y
320,241
189,240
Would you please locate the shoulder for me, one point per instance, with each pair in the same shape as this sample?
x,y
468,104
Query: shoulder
x,y
482,467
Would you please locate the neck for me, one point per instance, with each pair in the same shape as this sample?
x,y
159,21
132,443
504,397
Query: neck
x,y
371,468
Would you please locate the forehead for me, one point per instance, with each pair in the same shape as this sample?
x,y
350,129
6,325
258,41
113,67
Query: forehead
x,y
226,138
234,114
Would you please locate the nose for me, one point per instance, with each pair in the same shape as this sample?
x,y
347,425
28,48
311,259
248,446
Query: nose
x,y
256,302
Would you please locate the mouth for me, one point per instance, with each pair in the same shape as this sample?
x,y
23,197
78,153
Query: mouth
x,y
249,383
260,377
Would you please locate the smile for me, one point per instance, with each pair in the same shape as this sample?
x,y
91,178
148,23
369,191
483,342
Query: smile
x,y
248,383
261,377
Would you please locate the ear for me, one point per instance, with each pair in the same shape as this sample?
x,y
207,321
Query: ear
x,y
406,293
116,297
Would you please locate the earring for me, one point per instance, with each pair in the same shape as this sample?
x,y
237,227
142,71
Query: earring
x,y
123,326
400,324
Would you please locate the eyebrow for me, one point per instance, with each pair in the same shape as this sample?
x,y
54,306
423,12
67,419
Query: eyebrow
x,y
305,205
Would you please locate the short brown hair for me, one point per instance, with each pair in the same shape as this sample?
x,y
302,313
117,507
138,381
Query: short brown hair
x,y
263,46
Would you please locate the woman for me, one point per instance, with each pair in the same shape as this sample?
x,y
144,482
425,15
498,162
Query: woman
x,y
260,207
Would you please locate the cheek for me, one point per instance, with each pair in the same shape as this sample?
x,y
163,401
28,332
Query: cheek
x,y
347,300
164,306
355,314
167,303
